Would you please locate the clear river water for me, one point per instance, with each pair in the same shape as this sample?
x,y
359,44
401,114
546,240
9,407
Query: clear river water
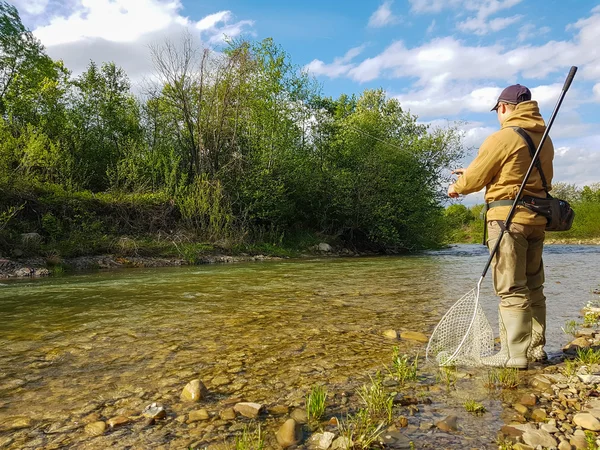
x,y
110,343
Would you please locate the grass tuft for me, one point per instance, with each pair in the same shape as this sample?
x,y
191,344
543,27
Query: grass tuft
x,y
473,407
315,404
377,401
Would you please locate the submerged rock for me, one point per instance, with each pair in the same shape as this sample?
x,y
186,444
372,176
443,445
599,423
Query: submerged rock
x,y
95,428
194,391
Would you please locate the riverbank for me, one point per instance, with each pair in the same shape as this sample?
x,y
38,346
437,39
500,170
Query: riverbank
x,y
42,267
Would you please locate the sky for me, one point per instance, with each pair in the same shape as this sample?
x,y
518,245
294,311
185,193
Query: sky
x,y
445,60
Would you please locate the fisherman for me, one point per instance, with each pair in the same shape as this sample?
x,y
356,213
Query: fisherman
x,y
518,270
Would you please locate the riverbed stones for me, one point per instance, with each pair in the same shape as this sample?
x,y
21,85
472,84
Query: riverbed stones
x,y
521,409
154,411
299,415
586,421
248,409
390,334
539,437
227,414
194,391
538,415
528,400
448,424
278,410
117,421
16,423
95,428
198,415
414,336
288,434
322,441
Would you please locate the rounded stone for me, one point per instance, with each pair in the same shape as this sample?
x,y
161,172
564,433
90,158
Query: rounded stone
x,y
194,391
95,428
288,434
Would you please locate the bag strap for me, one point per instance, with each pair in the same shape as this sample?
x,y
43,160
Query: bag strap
x,y
532,149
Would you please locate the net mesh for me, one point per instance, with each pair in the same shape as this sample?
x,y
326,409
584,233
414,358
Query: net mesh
x,y
463,336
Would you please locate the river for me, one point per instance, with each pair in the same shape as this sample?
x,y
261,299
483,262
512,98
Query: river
x,y
112,342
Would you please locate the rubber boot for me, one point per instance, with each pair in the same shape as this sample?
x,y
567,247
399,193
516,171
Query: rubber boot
x,y
515,337
536,351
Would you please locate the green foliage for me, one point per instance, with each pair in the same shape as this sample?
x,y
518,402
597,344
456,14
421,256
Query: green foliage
x,y
590,439
250,439
504,377
361,430
587,356
243,149
378,403
473,407
315,404
402,369
570,327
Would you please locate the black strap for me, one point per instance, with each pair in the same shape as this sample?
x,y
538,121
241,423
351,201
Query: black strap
x,y
532,149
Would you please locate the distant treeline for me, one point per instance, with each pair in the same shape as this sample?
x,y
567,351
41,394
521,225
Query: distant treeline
x,y
233,147
466,224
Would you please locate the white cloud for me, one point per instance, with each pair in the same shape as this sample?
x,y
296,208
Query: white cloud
x,y
530,30
383,16
596,91
481,26
577,164
33,7
339,67
79,32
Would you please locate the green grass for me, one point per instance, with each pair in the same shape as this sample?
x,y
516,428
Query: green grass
x,y
570,327
473,407
360,430
503,377
402,369
378,403
590,439
251,438
588,356
447,375
315,404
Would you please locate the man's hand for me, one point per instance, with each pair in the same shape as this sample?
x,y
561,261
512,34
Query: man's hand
x,y
452,192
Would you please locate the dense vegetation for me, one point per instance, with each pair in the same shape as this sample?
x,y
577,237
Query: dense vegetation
x,y
466,224
234,148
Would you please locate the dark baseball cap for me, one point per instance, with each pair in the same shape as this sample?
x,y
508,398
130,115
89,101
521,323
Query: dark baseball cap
x,y
514,95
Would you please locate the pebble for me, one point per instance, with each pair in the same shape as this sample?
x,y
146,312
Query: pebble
x,y
288,434
248,409
95,428
194,391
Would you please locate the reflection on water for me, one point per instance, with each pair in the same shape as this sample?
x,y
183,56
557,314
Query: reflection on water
x,y
270,329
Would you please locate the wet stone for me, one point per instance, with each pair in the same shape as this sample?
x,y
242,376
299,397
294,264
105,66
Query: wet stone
x,y
528,400
196,416
117,421
194,391
448,424
521,409
227,414
95,428
538,415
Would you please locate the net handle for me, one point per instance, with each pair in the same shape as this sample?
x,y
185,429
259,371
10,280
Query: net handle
x,y
508,220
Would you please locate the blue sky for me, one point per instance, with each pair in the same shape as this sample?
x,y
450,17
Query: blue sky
x,y
445,60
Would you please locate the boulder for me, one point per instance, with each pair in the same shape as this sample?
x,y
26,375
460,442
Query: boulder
x,y
194,391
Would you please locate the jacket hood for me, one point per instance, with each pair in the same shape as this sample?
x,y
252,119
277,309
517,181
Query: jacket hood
x,y
527,116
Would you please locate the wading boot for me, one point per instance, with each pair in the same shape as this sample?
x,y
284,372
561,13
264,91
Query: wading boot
x,y
536,351
515,337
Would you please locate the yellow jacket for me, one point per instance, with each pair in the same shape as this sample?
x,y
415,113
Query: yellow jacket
x,y
503,160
